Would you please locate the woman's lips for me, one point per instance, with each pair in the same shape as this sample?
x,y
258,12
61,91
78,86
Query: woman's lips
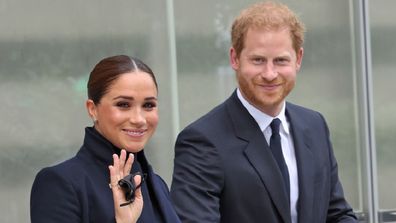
x,y
134,132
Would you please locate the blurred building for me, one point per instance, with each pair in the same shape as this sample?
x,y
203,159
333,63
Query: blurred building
x,y
48,48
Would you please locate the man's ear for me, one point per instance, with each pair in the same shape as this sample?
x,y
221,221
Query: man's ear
x,y
234,60
91,109
299,55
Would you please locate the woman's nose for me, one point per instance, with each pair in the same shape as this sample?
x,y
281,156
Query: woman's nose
x,y
137,117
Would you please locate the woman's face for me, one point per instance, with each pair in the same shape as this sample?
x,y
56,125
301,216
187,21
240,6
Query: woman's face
x,y
127,115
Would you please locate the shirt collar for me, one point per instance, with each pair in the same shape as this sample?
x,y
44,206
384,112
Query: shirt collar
x,y
262,119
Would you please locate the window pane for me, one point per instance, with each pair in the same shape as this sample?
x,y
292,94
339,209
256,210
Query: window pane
x,y
48,49
383,35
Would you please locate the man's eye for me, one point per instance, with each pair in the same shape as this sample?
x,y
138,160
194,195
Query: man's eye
x,y
257,60
281,60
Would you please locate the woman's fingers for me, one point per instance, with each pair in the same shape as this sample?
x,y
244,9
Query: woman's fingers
x,y
128,164
114,170
121,167
113,177
125,163
116,163
122,161
138,192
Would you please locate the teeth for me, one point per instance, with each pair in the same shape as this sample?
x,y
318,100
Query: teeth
x,y
134,133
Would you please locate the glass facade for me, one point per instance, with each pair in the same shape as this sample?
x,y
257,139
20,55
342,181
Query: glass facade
x,y
383,35
49,47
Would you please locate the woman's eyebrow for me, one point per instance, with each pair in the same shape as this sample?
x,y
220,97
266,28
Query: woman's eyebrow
x,y
124,97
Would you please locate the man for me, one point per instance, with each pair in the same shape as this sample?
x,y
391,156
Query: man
x,y
232,165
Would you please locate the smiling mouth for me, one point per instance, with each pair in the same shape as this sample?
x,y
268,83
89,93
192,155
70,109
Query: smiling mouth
x,y
135,133
270,86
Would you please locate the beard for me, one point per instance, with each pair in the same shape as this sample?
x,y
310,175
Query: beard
x,y
269,102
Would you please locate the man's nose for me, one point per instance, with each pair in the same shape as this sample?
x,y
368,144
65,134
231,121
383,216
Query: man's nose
x,y
269,71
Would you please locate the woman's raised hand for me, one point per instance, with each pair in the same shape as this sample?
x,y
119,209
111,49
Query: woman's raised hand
x,y
122,167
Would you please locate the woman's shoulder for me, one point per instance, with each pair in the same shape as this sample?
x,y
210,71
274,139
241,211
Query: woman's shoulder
x,y
58,192
73,167
60,173
51,183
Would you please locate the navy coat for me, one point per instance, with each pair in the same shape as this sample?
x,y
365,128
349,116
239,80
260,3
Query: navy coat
x,y
77,191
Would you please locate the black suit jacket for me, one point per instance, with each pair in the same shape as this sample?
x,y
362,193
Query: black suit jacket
x,y
77,191
224,170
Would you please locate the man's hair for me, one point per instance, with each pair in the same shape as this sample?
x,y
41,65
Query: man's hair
x,y
268,16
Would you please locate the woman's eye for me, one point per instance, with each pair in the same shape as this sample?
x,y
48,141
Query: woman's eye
x,y
149,105
123,104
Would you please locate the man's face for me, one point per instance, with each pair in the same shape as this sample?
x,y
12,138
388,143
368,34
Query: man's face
x,y
266,68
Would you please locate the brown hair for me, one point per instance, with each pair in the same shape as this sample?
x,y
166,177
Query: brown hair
x,y
270,16
108,70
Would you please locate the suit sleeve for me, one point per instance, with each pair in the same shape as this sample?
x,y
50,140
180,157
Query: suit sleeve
x,y
53,199
339,209
197,178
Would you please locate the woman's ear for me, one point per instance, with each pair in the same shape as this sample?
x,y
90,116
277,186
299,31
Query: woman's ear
x,y
91,108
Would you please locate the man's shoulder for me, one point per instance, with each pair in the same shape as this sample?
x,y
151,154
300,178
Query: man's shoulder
x,y
216,114
301,114
291,107
208,122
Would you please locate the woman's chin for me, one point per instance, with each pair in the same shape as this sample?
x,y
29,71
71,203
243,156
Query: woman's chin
x,y
134,148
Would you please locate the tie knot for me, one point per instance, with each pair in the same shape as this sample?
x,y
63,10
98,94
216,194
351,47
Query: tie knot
x,y
275,125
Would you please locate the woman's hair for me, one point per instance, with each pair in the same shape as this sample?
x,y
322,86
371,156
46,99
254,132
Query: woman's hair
x,y
269,16
108,70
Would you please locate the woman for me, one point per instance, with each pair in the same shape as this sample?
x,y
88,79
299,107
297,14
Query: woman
x,y
122,102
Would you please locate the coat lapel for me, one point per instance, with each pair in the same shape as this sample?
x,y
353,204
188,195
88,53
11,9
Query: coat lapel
x,y
305,164
159,192
259,156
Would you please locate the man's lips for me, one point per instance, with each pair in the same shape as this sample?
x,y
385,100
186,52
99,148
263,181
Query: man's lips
x,y
270,86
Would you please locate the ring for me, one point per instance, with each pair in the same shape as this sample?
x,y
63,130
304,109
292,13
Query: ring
x,y
111,186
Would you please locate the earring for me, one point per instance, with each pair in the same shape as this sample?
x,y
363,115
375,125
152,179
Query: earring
x,y
94,120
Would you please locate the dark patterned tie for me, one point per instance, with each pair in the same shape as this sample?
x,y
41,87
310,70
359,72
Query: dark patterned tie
x,y
276,149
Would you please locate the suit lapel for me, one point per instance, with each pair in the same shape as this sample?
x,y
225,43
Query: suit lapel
x,y
259,156
305,164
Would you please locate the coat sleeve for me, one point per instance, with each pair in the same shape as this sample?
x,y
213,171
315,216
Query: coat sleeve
x,y
53,199
339,210
197,178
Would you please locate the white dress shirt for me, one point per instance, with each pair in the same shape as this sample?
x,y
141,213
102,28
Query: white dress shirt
x,y
264,121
